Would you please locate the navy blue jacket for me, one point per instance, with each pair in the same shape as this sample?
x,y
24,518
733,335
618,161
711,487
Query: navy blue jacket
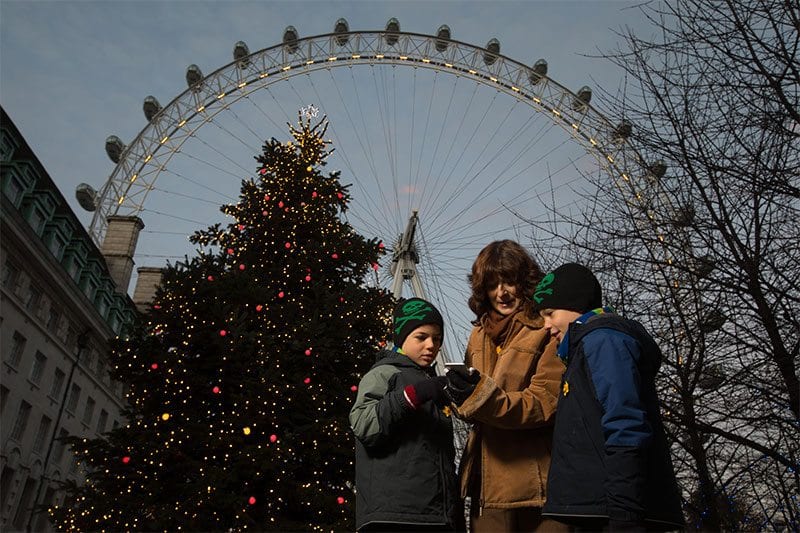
x,y
405,457
610,453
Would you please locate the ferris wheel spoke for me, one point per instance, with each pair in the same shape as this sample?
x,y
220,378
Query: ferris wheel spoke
x,y
476,154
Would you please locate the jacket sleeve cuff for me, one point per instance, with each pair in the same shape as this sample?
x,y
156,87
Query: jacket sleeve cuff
x,y
483,391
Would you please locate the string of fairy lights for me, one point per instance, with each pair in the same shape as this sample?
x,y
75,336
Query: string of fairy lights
x,y
244,371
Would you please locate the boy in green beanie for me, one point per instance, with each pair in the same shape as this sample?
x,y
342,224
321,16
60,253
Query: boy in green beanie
x,y
611,469
405,458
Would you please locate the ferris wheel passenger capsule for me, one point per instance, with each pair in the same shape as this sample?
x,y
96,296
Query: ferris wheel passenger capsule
x,y
193,77
151,107
290,37
584,96
341,29
392,30
241,54
86,196
538,72
622,131
114,148
442,37
492,51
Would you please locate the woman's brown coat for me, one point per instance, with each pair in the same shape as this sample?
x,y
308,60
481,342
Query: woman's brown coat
x,y
512,408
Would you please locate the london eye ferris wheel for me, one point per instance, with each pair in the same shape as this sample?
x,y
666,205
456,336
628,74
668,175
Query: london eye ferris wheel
x,y
447,147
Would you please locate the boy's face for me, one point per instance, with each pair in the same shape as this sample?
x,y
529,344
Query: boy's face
x,y
422,345
556,321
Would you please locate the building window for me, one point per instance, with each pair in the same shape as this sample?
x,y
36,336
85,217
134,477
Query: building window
x,y
102,307
71,338
22,421
24,503
60,446
10,276
42,434
88,359
102,420
100,366
88,412
42,521
74,397
37,370
33,299
89,289
5,484
36,219
72,268
73,465
53,319
17,348
58,383
14,188
57,244
7,147
3,398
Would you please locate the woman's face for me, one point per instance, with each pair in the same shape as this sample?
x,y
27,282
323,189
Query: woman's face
x,y
503,298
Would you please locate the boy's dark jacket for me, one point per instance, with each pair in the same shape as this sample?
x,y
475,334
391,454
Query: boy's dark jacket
x,y
405,470
599,470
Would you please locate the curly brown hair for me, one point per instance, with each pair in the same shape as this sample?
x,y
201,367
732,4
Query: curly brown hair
x,y
505,261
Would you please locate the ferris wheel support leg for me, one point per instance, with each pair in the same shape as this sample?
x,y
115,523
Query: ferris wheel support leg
x,y
405,268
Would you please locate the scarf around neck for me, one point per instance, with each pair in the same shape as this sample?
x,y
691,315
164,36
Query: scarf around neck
x,y
497,326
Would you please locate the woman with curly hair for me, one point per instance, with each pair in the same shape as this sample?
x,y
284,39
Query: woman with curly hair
x,y
509,394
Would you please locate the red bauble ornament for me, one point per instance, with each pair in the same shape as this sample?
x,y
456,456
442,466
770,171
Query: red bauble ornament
x,y
307,381
266,197
252,500
340,195
264,213
273,438
241,227
281,294
230,251
259,307
314,194
215,390
375,266
335,255
308,278
340,500
262,171
381,245
210,278
354,388
280,204
341,298
308,352
242,267
154,366
156,306
288,245
222,333
126,459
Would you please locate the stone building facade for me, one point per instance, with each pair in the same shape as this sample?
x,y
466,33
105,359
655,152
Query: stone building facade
x,y
60,305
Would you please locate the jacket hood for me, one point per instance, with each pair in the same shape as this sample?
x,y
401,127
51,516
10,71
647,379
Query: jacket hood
x,y
650,352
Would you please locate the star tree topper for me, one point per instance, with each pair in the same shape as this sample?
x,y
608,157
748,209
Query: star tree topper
x,y
309,111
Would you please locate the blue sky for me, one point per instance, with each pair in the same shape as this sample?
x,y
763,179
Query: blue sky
x,y
72,73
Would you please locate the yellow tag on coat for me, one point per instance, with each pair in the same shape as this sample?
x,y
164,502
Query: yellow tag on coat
x,y
565,388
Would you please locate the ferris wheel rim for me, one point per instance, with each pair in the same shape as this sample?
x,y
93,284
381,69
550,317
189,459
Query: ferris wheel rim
x,y
154,135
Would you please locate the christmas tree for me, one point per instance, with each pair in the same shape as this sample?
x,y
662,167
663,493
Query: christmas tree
x,y
242,374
